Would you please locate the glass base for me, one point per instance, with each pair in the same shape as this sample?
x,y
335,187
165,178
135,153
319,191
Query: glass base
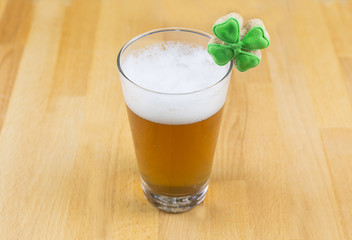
x,y
174,204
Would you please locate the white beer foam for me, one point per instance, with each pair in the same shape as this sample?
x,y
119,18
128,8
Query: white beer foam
x,y
183,74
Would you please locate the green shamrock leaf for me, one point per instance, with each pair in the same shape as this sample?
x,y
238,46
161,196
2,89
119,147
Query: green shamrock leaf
x,y
222,54
233,41
228,31
247,60
254,35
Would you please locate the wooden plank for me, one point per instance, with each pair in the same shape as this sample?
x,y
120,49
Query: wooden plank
x,y
77,41
312,194
27,196
337,144
338,19
346,66
2,7
320,65
14,30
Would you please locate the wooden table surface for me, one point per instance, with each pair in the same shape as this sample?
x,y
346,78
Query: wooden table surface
x,y
283,164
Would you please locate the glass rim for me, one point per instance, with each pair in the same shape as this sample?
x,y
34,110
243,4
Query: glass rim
x,y
160,30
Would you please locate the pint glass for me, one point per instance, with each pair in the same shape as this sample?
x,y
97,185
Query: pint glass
x,y
174,131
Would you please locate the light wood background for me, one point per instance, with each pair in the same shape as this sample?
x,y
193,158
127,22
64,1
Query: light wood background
x,y
283,164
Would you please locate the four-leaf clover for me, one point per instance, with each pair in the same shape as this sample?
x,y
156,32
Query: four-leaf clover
x,y
241,43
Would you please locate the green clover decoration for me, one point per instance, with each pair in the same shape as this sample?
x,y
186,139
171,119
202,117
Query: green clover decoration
x,y
233,41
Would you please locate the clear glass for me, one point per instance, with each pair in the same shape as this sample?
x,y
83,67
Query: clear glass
x,y
174,160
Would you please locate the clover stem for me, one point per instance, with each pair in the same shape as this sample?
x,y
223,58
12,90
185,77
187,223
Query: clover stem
x,y
237,47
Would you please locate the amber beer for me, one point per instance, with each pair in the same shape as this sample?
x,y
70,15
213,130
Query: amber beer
x,y
174,93
174,160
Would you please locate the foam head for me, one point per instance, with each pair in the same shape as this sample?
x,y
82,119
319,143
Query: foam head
x,y
173,83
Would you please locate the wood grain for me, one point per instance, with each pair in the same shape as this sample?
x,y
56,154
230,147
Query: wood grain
x,y
282,167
